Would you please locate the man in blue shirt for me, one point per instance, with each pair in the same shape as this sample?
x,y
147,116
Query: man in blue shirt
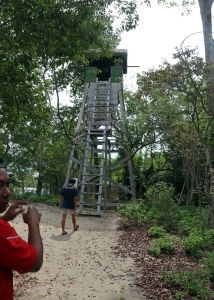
x,y
68,204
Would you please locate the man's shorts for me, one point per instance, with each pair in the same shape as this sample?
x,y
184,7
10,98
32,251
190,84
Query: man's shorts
x,y
67,210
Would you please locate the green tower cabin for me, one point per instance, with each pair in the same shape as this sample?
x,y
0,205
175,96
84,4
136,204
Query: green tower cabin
x,y
100,136
108,68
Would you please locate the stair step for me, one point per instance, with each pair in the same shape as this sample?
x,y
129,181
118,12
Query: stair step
x,y
94,174
90,193
91,183
95,157
98,105
96,166
95,150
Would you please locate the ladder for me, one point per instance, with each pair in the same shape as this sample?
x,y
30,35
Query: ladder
x,y
98,122
93,168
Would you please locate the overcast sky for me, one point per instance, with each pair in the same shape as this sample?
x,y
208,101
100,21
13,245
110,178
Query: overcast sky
x,y
160,30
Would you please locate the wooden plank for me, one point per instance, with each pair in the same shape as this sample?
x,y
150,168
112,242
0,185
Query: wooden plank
x,y
102,203
121,186
119,162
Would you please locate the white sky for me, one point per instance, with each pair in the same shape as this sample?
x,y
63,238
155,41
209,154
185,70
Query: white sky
x,y
160,30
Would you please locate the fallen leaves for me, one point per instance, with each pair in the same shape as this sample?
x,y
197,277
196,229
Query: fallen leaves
x,y
134,242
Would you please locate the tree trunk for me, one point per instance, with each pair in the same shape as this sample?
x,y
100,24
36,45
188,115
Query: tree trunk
x,y
40,170
39,185
206,17
22,186
55,187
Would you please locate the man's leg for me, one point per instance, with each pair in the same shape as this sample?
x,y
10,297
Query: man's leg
x,y
64,215
73,221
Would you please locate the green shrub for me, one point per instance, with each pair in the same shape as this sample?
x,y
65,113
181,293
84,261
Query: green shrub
x,y
32,197
195,284
53,201
135,212
208,261
162,207
25,195
154,251
164,244
208,237
180,296
193,245
189,218
156,231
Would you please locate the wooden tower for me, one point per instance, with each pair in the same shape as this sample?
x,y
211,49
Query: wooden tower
x,y
100,134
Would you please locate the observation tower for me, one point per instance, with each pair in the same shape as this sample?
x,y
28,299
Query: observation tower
x,y
101,135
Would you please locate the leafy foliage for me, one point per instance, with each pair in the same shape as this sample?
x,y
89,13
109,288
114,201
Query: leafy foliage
x,y
156,231
163,208
135,213
193,245
164,244
195,284
32,197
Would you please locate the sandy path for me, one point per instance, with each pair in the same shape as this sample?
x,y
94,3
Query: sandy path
x,y
79,265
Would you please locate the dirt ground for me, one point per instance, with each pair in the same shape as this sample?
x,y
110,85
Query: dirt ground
x,y
79,265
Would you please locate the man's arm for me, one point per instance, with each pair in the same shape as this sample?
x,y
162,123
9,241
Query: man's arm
x,y
75,202
32,218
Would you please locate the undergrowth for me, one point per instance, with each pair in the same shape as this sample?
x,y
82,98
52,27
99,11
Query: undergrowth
x,y
173,227
32,197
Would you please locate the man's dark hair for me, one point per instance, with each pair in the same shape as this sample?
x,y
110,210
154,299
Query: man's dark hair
x,y
2,165
72,180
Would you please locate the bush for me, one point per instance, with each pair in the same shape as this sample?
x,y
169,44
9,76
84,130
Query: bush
x,y
162,207
164,244
195,284
189,218
156,231
25,195
154,251
135,212
208,237
208,261
193,245
32,197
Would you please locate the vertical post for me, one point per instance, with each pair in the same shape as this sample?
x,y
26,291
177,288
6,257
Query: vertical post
x,y
109,162
105,173
132,180
78,126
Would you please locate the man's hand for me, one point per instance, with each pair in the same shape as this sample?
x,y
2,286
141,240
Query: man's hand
x,y
14,210
32,216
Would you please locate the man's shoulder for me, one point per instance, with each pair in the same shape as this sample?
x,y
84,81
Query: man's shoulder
x,y
70,187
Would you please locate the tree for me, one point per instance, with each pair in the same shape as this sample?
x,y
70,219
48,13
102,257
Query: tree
x,y
206,17
56,36
45,46
172,101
